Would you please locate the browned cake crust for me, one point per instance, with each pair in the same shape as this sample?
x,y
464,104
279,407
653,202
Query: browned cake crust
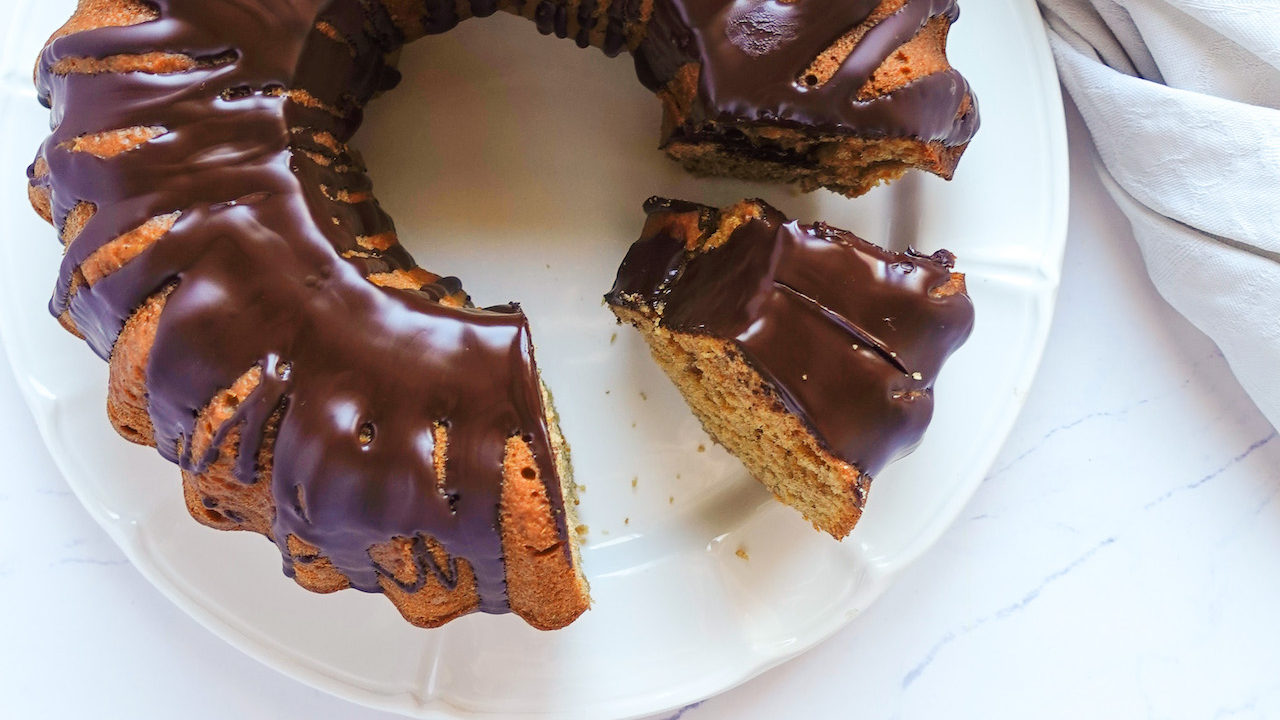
x,y
739,388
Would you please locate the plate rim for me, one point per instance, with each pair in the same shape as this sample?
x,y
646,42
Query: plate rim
x,y
126,536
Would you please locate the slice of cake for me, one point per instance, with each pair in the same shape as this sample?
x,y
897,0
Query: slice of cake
x,y
842,95
807,352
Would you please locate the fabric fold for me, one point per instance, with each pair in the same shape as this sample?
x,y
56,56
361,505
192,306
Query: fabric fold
x,y
1182,98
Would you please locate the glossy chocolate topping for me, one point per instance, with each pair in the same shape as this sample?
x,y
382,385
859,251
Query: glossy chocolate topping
x,y
264,268
849,335
755,54
264,272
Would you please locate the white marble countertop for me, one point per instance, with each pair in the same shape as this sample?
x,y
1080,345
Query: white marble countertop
x,y
1117,562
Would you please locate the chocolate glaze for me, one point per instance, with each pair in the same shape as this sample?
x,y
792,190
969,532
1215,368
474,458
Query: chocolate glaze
x,y
850,336
263,268
753,55
359,376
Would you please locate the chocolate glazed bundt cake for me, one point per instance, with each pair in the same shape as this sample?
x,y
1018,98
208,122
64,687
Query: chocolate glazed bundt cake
x,y
805,350
267,332
264,327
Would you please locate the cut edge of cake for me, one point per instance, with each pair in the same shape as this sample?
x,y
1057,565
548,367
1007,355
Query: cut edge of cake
x,y
742,412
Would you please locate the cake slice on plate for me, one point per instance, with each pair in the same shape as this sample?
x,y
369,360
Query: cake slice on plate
x,y
807,352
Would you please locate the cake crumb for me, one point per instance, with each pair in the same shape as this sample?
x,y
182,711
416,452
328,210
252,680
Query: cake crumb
x,y
633,424
643,396
626,521
917,376
742,553
582,529
805,376
582,488
671,499
635,481
613,338
702,448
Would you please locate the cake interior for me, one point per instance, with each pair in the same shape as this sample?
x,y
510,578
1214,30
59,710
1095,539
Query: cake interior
x,y
740,411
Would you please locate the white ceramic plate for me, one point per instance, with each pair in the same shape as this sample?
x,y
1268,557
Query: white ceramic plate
x,y
520,163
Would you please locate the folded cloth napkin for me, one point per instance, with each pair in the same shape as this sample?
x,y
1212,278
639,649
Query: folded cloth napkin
x,y
1182,98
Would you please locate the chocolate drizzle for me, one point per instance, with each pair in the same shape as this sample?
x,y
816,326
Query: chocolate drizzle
x,y
849,335
753,53
358,376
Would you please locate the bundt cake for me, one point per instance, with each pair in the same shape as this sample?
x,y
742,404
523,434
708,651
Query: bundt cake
x,y
806,351
265,329
267,332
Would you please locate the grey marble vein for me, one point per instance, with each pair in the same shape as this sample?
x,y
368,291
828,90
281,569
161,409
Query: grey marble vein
x,y
1226,466
1063,428
680,713
1004,612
